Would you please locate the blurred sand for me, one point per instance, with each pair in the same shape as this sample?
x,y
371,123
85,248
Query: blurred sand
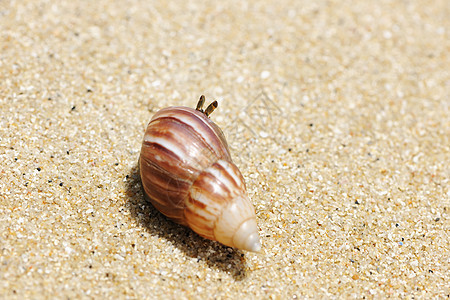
x,y
337,114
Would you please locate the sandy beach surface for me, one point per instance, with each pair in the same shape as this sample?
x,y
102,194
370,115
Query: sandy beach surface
x,y
336,112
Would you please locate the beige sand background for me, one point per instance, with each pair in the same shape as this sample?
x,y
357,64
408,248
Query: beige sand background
x,y
337,113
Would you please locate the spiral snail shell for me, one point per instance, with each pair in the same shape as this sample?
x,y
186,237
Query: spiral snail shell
x,y
188,175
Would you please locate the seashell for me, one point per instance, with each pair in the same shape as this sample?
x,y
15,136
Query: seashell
x,y
188,175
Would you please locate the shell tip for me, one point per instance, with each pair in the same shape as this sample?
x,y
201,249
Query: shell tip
x,y
255,247
253,243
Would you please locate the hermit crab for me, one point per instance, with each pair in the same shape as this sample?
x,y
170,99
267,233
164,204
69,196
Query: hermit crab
x,y
187,173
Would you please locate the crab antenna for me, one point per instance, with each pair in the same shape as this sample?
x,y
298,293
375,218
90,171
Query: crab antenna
x,y
200,103
211,108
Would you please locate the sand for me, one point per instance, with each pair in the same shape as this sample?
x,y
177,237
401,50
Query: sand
x,y
336,112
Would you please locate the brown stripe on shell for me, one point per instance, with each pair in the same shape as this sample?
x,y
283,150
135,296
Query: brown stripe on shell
x,y
213,184
186,152
175,214
199,204
164,184
201,213
193,142
213,134
165,193
233,172
166,181
168,160
222,139
193,132
213,190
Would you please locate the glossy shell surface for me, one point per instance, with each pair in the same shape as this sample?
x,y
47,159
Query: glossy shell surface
x,y
188,175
